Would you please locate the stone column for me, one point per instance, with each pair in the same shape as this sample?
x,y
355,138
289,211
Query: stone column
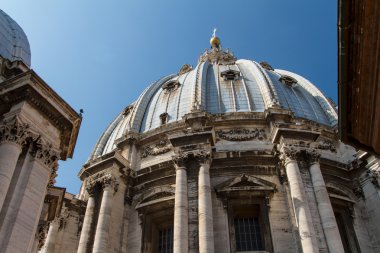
x,y
12,137
326,213
102,228
51,238
180,239
88,219
24,210
205,219
300,204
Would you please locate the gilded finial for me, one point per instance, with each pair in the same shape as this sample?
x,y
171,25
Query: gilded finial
x,y
214,41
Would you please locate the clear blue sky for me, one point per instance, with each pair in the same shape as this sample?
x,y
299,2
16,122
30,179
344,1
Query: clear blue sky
x,y
100,55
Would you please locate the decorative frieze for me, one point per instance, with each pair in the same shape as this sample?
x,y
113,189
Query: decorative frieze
x,y
241,134
327,145
161,147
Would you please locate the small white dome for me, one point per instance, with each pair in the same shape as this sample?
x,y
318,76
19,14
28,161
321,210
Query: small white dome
x,y
14,44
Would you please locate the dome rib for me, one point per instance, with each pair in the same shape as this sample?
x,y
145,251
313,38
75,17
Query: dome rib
x,y
254,89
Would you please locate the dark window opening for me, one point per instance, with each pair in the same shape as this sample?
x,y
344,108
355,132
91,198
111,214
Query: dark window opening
x,y
343,212
247,234
171,86
165,240
164,118
230,75
288,80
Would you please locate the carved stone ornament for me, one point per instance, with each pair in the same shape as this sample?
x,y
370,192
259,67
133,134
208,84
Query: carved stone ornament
x,y
171,86
266,65
288,80
45,152
184,69
313,156
327,145
241,134
161,147
41,234
53,175
202,156
101,180
288,154
14,132
374,176
180,160
216,55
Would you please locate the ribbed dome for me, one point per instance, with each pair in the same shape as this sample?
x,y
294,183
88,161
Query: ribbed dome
x,y
14,44
219,86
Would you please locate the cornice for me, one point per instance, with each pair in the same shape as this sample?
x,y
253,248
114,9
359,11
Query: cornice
x,y
30,87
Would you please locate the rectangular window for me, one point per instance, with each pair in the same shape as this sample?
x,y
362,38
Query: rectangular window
x,y
248,235
165,240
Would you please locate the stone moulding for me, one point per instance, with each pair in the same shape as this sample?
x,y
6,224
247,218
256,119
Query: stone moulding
x,y
241,134
161,147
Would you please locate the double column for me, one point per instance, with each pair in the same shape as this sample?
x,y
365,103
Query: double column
x,y
300,202
108,186
181,237
205,217
326,213
104,220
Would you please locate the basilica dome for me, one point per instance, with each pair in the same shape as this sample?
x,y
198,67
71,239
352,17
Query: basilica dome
x,y
221,85
14,44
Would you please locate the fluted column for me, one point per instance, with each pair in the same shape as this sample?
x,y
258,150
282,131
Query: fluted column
x,y
326,213
12,137
88,219
205,218
180,239
51,238
104,220
300,204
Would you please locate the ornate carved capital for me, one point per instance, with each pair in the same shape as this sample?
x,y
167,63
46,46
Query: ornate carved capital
x,y
101,180
204,157
14,131
313,156
45,153
180,160
288,154
91,188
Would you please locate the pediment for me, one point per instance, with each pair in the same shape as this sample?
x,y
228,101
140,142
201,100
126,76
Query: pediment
x,y
245,183
156,195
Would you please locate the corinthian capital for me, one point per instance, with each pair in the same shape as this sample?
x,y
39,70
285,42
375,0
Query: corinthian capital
x,y
45,152
288,154
203,156
180,160
14,131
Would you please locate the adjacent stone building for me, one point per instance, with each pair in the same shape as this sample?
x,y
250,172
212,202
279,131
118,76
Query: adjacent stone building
x,y
228,156
37,128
